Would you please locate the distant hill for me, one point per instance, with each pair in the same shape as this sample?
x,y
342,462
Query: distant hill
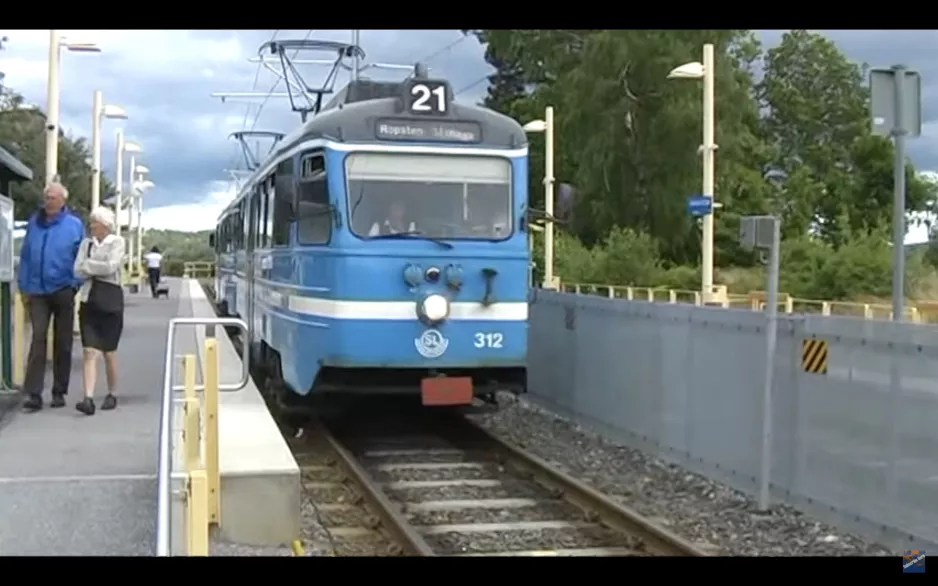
x,y
179,247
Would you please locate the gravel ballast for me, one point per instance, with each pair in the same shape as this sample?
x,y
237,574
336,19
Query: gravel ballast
x,y
717,518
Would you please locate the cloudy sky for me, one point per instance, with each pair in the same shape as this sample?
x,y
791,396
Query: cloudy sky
x,y
164,80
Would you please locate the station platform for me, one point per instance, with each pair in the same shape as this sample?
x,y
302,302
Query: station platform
x,y
87,486
77,485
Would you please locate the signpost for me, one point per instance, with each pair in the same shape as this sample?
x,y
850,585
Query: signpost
x,y
764,232
699,205
896,111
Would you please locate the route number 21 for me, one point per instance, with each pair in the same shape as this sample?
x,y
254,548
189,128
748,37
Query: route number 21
x,y
488,340
422,101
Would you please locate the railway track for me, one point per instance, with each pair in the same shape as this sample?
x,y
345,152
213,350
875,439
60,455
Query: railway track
x,y
426,483
440,485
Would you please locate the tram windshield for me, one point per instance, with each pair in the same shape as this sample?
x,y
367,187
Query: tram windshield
x,y
437,196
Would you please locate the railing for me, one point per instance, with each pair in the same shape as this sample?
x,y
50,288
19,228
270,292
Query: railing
x,y
198,444
920,312
198,270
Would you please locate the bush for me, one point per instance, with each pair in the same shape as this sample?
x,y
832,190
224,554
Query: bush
x,y
810,268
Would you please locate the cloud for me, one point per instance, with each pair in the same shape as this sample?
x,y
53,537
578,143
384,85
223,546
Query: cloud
x,y
164,80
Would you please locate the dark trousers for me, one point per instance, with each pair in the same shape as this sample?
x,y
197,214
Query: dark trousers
x,y
59,307
154,275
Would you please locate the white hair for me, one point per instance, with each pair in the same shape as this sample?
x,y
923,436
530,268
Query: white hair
x,y
56,186
103,215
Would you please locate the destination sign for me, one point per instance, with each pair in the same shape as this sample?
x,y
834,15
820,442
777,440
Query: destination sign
x,y
429,130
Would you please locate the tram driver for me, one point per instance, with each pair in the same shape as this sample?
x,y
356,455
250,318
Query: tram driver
x,y
395,223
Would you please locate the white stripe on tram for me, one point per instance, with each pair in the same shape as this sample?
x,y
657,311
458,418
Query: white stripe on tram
x,y
383,310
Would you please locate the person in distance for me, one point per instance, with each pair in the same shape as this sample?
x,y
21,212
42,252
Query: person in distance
x,y
101,314
154,258
47,283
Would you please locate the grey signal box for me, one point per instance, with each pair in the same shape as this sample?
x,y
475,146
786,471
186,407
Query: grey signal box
x,y
756,231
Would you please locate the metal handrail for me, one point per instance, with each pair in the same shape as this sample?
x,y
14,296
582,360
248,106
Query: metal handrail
x,y
164,465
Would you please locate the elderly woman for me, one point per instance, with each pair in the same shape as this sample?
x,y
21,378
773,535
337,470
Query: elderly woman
x,y
101,315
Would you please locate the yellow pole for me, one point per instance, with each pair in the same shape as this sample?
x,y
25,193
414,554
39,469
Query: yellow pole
x,y
211,430
190,432
198,513
19,340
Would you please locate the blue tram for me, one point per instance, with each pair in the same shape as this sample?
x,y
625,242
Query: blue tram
x,y
382,247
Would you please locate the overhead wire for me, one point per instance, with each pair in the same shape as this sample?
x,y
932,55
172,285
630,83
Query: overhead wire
x,y
438,52
257,75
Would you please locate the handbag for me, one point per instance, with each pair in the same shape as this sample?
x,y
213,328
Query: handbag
x,y
105,297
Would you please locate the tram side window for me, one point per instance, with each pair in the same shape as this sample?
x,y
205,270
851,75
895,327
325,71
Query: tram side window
x,y
284,191
271,193
262,214
314,222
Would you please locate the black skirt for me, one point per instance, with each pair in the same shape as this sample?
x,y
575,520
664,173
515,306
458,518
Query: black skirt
x,y
101,331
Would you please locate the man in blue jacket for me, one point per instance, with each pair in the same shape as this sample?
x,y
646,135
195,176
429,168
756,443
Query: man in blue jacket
x,y
48,284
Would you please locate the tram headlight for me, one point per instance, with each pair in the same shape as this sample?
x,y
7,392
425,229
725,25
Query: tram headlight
x,y
435,307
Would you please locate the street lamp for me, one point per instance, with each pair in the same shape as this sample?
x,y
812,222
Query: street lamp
x,y
123,146
99,111
547,127
704,71
56,43
136,201
140,188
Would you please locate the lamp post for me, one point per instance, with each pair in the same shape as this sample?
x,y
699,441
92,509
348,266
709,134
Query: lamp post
x,y
136,201
141,187
123,146
547,127
56,43
706,72
99,111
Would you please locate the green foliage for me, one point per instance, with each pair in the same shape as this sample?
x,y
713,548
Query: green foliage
x,y
179,248
795,142
22,133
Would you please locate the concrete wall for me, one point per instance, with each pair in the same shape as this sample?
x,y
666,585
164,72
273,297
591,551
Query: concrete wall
x,y
857,446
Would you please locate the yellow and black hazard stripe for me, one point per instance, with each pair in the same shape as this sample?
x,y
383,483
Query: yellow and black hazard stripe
x,y
814,356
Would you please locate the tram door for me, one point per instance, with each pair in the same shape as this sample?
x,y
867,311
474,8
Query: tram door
x,y
253,235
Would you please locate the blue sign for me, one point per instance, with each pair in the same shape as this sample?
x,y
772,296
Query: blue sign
x,y
699,205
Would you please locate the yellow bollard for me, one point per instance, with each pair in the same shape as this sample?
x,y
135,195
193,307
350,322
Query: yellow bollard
x,y
19,341
190,437
197,513
210,397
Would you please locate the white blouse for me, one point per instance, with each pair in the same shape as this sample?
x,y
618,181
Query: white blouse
x,y
103,261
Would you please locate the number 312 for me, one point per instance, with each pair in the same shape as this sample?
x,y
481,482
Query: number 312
x,y
488,340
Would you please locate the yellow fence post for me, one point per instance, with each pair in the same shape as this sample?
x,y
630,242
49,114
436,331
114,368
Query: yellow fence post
x,y
197,513
211,431
19,340
190,437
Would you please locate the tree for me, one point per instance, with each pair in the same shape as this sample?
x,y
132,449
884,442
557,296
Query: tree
x,y
627,136
838,175
22,132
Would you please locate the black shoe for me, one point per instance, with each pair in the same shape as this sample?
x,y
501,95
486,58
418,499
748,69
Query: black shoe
x,y
32,404
110,402
58,400
86,406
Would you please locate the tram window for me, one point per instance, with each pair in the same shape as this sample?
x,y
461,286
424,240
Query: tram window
x,y
271,193
283,202
245,222
314,222
262,215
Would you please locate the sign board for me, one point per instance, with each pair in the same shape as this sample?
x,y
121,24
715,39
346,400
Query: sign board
x,y
756,231
427,97
6,239
428,130
699,205
883,106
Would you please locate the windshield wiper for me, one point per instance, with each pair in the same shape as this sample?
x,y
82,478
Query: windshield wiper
x,y
411,234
